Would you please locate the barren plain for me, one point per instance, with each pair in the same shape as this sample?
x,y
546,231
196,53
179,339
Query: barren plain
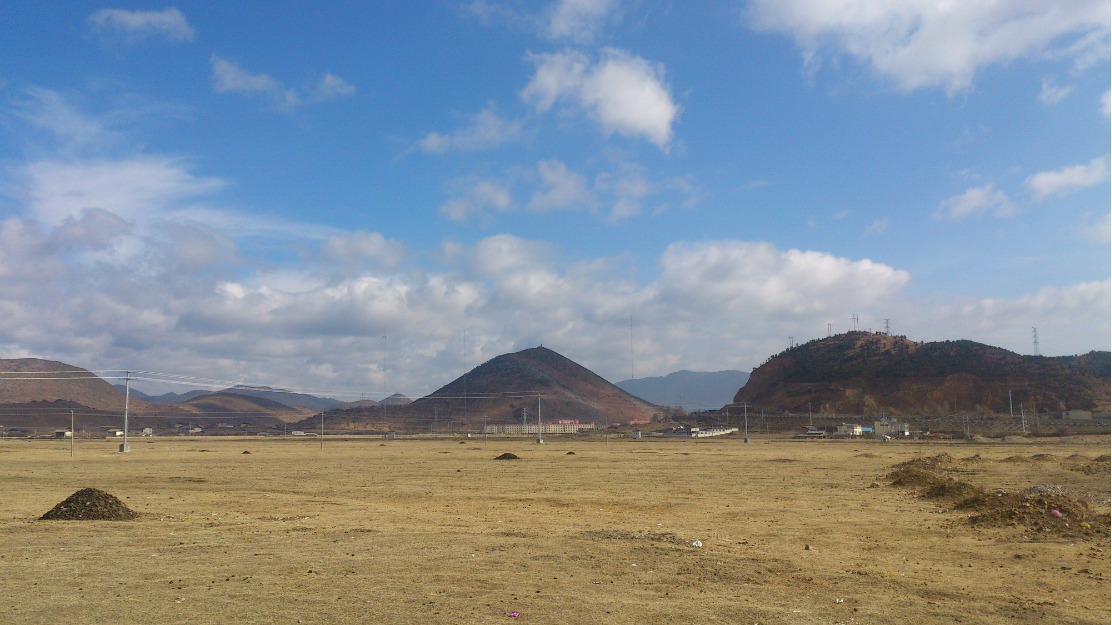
x,y
629,531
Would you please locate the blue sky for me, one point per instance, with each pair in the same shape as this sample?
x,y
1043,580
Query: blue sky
x,y
261,195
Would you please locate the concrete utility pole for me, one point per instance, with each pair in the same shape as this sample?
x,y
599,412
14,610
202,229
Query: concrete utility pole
x,y
322,429
745,409
71,433
124,447
540,437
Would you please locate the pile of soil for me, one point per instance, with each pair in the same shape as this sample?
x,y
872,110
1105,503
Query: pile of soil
x,y
1037,510
508,456
90,504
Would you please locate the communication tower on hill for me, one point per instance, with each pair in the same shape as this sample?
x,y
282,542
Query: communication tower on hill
x,y
1035,336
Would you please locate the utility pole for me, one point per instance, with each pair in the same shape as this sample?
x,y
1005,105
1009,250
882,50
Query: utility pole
x,y
486,434
745,410
810,419
124,447
854,318
829,326
540,437
435,420
322,429
71,434
1035,336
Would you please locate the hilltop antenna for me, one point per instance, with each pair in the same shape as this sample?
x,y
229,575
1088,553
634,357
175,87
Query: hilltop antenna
x,y
1035,336
791,344
887,330
828,328
854,317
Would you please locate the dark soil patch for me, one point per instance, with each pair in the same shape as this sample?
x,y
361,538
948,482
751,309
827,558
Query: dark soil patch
x,y
783,460
570,453
953,490
1017,459
1044,457
507,456
866,455
246,452
90,504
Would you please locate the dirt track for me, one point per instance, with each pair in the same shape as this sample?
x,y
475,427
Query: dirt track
x,y
438,532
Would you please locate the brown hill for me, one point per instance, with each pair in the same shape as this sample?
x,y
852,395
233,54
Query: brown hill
x,y
235,407
498,390
25,380
865,373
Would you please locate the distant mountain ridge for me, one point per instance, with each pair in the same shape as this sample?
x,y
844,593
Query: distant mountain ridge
x,y
863,372
693,390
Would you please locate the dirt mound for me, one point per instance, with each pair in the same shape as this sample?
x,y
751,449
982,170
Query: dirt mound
x,y
929,463
570,453
507,456
1044,457
1103,458
914,477
1017,459
953,490
90,504
1058,514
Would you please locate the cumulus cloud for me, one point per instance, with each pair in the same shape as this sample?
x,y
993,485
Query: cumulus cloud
x,y
620,91
135,26
1106,103
475,197
361,248
229,77
1057,182
578,20
932,43
974,202
560,189
487,130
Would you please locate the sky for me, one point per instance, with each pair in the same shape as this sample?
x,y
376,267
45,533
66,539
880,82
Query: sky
x,y
361,198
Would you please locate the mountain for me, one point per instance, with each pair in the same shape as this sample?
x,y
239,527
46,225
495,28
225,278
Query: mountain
x,y
397,399
286,398
866,373
57,381
693,390
500,389
296,400
236,407
165,398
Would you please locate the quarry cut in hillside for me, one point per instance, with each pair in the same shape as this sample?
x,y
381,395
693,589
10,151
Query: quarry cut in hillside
x,y
866,373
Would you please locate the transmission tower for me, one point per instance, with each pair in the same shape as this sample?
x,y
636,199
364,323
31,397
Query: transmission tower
x,y
887,329
829,326
855,318
1035,336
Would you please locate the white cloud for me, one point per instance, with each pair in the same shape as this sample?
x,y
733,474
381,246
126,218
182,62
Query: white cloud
x,y
135,26
487,130
1067,179
578,20
561,189
878,226
1052,94
622,92
1106,103
228,77
141,187
475,198
930,43
332,87
361,248
976,201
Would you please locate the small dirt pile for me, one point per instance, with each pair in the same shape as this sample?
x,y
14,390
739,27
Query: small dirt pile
x,y
507,456
1042,509
90,504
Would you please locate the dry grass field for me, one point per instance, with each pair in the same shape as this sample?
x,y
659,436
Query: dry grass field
x,y
424,531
